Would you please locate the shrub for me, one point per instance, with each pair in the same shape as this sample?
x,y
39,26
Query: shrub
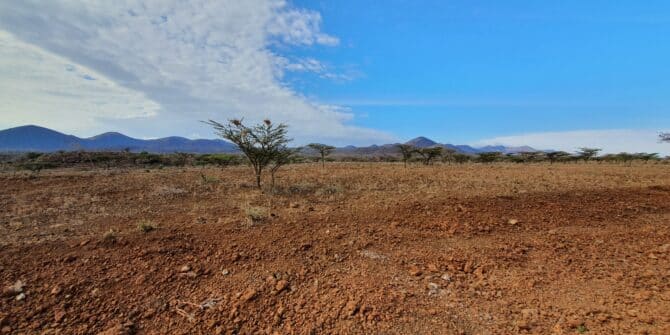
x,y
256,214
145,226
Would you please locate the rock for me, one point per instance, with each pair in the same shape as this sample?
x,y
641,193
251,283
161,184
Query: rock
x,y
56,290
446,277
185,268
189,274
20,297
225,272
281,285
433,289
523,325
513,221
415,271
13,290
59,315
351,307
248,295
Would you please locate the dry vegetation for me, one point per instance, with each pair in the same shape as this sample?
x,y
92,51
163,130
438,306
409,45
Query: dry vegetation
x,y
353,248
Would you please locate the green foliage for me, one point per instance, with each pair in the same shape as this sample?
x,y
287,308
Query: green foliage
x,y
406,150
461,158
260,143
217,159
429,154
557,156
588,154
489,157
323,150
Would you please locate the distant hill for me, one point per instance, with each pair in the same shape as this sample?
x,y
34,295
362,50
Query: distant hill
x,y
424,142
40,139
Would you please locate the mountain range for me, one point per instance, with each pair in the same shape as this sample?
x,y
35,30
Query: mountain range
x,y
40,139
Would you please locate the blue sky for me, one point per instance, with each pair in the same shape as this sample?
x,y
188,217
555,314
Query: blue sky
x,y
547,74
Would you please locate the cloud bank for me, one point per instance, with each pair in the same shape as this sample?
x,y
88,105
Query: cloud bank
x,y
154,68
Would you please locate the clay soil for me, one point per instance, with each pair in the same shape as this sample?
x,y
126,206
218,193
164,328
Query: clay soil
x,y
352,249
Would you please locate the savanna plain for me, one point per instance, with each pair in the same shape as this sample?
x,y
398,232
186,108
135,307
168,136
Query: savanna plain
x,y
352,248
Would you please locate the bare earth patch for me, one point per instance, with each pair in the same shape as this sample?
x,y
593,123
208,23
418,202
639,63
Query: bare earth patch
x,y
366,248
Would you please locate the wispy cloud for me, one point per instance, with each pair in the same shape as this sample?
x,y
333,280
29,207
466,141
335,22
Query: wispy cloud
x,y
610,140
182,60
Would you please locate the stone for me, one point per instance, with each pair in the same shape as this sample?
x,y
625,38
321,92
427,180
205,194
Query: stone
x,y
13,290
225,272
59,315
415,271
351,307
513,221
281,285
185,268
248,295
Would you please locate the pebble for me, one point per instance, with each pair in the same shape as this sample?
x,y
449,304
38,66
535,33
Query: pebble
x,y
513,221
415,271
225,272
20,297
185,268
281,285
446,277
433,289
13,290
248,294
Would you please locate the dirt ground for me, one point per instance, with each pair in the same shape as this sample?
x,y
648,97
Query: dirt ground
x,y
355,248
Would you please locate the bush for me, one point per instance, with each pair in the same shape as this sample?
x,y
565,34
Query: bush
x,y
256,214
145,226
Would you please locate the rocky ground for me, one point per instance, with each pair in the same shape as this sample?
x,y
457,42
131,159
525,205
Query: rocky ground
x,y
354,248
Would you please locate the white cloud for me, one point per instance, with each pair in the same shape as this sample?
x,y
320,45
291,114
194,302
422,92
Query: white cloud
x,y
39,87
610,140
197,59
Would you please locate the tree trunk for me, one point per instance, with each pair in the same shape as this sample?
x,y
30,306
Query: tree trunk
x,y
258,180
323,161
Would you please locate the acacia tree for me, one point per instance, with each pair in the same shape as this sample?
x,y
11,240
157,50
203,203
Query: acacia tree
x,y
283,156
588,153
448,155
407,151
428,154
489,157
260,143
323,150
555,156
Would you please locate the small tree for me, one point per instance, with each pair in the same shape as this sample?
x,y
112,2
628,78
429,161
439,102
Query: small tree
x,y
448,155
407,151
556,156
461,158
428,154
260,143
284,155
323,150
490,157
588,153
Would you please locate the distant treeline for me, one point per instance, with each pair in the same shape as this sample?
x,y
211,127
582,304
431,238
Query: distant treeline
x,y
39,161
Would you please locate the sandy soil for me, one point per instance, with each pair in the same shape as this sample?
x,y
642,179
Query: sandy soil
x,y
354,248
